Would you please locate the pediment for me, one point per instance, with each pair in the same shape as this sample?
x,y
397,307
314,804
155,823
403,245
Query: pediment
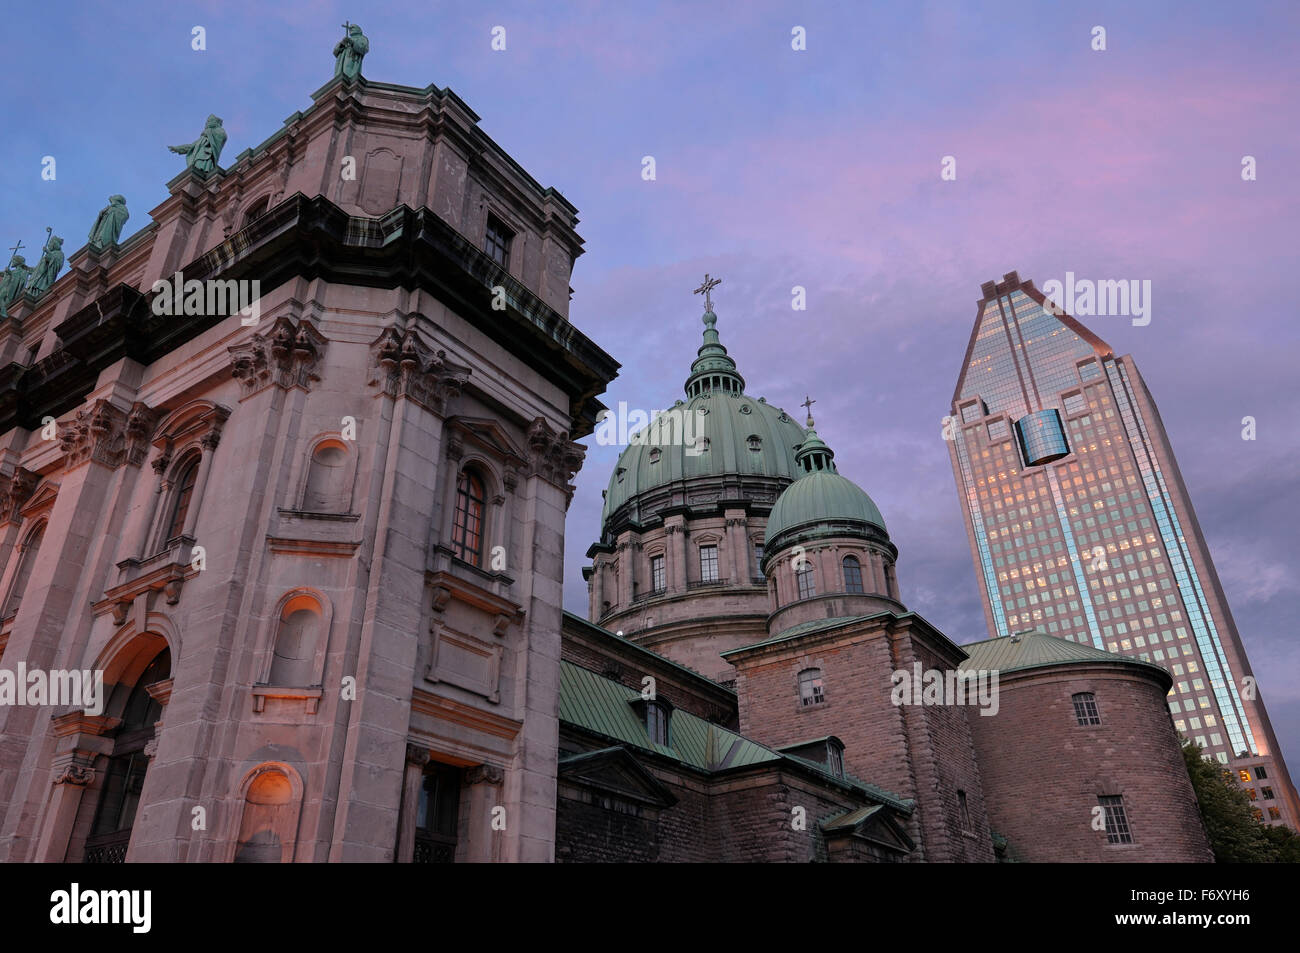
x,y
876,824
487,435
616,771
43,498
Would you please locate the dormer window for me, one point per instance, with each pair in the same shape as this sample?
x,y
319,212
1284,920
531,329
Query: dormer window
x,y
655,454
835,759
755,443
657,714
656,723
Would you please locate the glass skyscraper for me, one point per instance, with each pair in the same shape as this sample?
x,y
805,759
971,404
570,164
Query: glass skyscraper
x,y
1080,524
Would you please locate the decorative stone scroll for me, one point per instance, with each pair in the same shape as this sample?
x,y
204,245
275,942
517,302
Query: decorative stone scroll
x,y
15,491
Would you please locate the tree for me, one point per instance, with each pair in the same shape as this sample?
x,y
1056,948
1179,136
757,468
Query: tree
x,y
1236,837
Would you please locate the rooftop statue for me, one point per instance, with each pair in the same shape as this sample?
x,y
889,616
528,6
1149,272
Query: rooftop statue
x,y
108,226
47,268
349,52
13,281
202,154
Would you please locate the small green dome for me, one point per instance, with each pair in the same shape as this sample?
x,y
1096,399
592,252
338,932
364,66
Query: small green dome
x,y
822,496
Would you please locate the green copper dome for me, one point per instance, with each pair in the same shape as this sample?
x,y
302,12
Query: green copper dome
x,y
744,436
819,496
729,433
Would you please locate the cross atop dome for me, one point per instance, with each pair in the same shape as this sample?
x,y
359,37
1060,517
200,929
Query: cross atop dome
x,y
807,405
706,289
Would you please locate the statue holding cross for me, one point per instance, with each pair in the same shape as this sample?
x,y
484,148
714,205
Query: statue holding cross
x,y
706,289
349,52
13,281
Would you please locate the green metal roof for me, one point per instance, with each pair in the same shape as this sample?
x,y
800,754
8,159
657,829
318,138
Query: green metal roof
x,y
602,706
1025,650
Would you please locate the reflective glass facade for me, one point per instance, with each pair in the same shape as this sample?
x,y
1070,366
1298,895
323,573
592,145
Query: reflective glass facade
x,y
1076,524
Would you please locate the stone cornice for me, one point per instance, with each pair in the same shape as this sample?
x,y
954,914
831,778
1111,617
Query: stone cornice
x,y
314,238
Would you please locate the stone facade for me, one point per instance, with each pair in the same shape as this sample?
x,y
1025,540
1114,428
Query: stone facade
x,y
288,558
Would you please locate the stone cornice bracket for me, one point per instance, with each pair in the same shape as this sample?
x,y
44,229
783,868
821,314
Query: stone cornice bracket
x,y
97,433
16,491
417,755
554,457
485,774
80,775
402,365
140,423
288,356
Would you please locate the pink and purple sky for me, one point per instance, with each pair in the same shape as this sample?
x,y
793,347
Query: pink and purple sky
x,y
817,168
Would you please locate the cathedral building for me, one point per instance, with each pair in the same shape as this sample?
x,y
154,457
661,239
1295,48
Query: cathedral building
x,y
311,540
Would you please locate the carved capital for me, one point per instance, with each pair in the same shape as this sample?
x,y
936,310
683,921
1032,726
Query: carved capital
x,y
288,355
417,755
140,423
402,365
554,457
16,491
97,433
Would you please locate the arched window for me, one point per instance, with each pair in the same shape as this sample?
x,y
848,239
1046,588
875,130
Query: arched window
x,y
29,550
467,532
811,688
256,211
852,574
807,585
1085,709
187,472
293,661
110,833
268,809
328,489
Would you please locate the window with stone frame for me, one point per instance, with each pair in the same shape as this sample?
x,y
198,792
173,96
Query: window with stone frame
x,y
186,475
812,690
27,553
496,241
124,772
437,815
1085,709
852,574
657,578
708,564
467,529
806,583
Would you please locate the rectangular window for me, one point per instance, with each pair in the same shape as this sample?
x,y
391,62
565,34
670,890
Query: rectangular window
x,y
657,573
708,563
965,810
1117,829
497,241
